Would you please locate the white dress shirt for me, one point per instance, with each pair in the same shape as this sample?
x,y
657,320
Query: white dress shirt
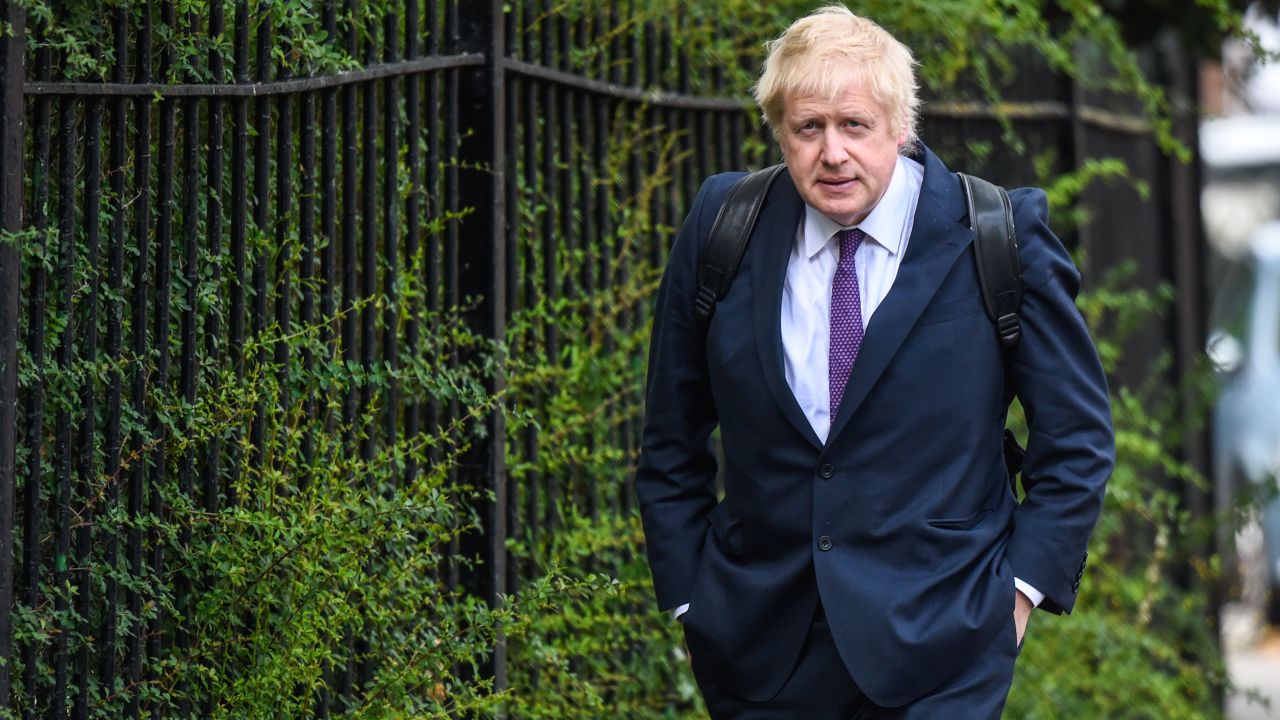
x,y
806,295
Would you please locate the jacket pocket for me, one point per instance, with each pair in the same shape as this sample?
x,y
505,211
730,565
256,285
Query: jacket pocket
x,y
961,523
940,312
727,529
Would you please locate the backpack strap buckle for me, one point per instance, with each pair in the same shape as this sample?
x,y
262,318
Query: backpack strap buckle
x,y
1010,328
704,304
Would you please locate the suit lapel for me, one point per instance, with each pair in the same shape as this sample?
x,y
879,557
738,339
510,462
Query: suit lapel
x,y
771,243
937,239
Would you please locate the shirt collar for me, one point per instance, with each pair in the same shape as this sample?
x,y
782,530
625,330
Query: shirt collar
x,y
884,224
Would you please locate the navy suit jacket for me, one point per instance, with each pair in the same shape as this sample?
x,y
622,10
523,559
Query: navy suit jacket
x,y
903,524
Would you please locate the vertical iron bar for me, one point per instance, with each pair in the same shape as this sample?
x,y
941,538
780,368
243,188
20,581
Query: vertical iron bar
x,y
12,135
514,91
683,69
688,183
390,233
349,290
566,167
307,277
737,159
483,97
368,256
306,269
605,259
665,78
328,210
115,280
652,44
662,76
282,246
672,193
702,143
550,241
210,467
348,237
329,115
531,138
655,118
615,56
635,58
452,204
413,220
528,49
599,43
584,142
183,596
433,196
549,246
368,314
239,225
307,272
34,439
86,470
61,501
163,278
508,19
138,323
562,261
603,196
262,221
634,182
724,159
588,237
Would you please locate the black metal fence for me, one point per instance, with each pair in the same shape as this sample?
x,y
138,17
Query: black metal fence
x,y
167,214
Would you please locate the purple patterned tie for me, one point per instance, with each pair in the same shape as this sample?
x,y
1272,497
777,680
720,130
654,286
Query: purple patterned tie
x,y
846,317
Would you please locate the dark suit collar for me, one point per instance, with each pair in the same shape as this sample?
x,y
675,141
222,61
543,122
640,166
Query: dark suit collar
x,y
938,236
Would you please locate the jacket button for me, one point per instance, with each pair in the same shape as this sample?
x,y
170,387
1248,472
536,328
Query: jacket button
x,y
826,471
824,543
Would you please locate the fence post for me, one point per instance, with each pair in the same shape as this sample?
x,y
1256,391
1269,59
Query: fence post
x,y
482,264
12,49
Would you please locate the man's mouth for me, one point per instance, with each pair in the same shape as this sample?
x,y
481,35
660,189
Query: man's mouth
x,y
837,183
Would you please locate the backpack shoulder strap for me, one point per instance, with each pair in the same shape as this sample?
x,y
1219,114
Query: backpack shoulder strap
x,y
729,236
996,252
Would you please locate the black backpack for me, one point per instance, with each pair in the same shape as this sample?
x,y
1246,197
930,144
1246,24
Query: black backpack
x,y
995,251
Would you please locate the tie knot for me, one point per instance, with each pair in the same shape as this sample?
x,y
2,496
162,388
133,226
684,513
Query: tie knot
x,y
850,240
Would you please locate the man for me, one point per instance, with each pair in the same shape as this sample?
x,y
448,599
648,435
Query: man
x,y
869,558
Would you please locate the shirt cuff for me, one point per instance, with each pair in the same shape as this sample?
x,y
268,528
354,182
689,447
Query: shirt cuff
x,y
685,608
1035,596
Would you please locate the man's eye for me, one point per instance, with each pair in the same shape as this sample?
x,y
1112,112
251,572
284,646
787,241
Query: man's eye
x,y
852,124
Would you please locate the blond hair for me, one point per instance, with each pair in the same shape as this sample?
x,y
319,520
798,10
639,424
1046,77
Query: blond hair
x,y
822,53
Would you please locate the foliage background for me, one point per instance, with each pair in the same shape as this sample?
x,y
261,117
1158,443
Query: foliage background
x,y
334,568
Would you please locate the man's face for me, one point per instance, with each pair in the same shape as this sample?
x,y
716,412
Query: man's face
x,y
840,153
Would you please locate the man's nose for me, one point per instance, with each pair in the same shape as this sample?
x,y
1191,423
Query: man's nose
x,y
833,151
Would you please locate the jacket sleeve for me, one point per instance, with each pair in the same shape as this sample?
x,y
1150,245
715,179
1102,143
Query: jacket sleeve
x,y
675,476
1055,372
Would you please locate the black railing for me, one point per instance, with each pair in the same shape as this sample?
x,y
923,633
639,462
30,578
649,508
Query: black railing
x,y
212,202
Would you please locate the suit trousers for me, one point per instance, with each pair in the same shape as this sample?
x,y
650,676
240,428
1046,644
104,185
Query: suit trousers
x,y
820,688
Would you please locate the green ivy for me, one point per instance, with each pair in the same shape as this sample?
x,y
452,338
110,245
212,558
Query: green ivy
x,y
332,560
